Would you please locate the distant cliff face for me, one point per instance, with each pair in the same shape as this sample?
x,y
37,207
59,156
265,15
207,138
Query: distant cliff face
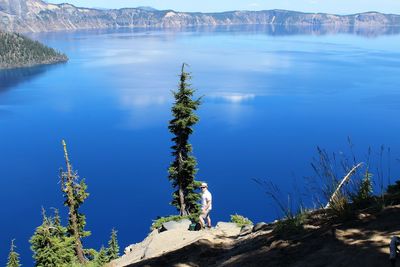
x,y
37,16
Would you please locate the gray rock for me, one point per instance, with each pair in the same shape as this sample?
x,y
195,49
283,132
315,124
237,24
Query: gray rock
x,y
180,225
262,226
128,249
229,229
245,230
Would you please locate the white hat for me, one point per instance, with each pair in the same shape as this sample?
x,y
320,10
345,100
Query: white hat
x,y
204,185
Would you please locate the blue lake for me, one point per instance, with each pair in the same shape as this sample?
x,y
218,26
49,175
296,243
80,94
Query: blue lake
x,y
270,99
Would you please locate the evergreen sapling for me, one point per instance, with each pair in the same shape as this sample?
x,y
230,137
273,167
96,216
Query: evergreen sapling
x,y
102,257
13,257
50,244
113,247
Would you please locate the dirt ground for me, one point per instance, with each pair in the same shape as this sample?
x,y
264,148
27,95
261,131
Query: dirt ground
x,y
363,241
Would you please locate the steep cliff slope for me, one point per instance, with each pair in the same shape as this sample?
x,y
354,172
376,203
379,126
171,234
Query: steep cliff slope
x,y
360,242
36,16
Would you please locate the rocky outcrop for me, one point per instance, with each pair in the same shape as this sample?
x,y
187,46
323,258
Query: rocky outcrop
x,y
360,241
37,16
178,236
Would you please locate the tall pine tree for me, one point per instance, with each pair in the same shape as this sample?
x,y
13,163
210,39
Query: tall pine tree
x,y
113,247
13,257
50,244
182,170
75,193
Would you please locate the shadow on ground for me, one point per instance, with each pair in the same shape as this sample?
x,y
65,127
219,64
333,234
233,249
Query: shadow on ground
x,y
362,242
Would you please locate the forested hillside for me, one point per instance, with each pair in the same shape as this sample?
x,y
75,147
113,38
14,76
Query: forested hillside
x,y
19,51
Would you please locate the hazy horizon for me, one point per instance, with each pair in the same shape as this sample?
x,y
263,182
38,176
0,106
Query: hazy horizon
x,y
312,6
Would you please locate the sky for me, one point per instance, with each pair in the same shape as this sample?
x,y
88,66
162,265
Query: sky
x,y
326,6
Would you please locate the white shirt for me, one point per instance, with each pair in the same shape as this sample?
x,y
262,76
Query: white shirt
x,y
205,198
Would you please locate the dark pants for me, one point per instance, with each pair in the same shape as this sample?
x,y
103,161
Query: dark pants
x,y
393,262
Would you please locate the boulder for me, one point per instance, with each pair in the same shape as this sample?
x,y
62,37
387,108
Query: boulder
x,y
128,249
262,226
179,225
245,230
228,229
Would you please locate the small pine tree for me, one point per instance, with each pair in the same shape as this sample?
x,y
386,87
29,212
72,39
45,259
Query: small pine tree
x,y
57,218
363,194
365,190
13,257
182,170
113,247
50,244
102,257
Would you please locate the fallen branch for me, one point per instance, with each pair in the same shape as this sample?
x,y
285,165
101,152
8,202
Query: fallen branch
x,y
345,180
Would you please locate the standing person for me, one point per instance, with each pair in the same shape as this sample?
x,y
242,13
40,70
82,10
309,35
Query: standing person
x,y
206,206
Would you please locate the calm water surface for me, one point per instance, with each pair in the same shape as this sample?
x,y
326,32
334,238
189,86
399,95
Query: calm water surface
x,y
269,101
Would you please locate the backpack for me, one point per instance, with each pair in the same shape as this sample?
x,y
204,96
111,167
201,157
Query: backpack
x,y
194,227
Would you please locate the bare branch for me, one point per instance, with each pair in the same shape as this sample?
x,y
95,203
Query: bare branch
x,y
344,180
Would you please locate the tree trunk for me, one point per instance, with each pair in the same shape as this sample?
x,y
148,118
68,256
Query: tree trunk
x,y
72,211
345,179
183,211
182,204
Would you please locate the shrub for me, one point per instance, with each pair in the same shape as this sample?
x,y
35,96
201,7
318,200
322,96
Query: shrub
x,y
291,225
340,208
392,194
240,220
363,195
394,189
88,264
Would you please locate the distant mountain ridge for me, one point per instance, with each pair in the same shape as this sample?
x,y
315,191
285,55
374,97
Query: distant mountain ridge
x,y
147,8
39,16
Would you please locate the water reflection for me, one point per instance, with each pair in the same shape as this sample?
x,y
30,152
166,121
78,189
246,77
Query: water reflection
x,y
170,33
282,30
234,98
10,78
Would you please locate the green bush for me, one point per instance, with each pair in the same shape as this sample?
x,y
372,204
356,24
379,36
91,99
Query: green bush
x,y
291,225
240,220
88,264
394,189
340,208
363,194
392,196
